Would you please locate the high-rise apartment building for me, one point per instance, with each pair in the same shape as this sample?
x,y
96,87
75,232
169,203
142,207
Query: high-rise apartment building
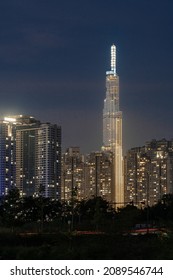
x,y
7,156
73,175
8,127
98,175
32,152
38,160
149,172
112,130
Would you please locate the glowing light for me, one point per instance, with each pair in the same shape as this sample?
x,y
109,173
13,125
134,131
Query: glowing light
x,y
8,119
113,59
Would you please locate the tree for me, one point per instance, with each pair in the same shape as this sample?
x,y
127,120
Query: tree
x,y
127,217
11,208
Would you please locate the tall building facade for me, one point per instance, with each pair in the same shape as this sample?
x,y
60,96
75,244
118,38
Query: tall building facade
x,y
98,175
31,158
112,130
73,175
7,156
38,160
149,172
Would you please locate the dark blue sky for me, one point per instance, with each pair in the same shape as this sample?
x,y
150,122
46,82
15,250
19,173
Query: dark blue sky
x,y
54,55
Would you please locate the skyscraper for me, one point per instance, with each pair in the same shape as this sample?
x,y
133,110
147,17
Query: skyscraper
x,y
112,130
38,160
30,156
73,175
98,174
7,156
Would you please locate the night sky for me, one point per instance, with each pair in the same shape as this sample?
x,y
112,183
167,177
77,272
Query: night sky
x,y
54,56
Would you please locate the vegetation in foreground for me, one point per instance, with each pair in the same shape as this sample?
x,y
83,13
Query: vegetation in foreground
x,y
39,228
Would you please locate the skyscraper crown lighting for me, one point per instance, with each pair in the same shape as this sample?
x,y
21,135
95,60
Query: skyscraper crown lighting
x,y
113,61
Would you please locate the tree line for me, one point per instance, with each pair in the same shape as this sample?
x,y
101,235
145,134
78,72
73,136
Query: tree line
x,y
38,214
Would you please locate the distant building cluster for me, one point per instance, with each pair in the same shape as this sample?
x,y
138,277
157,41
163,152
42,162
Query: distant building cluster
x,y
31,160
149,172
87,176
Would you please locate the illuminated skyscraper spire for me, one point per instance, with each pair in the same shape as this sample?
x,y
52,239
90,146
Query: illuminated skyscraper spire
x,y
112,129
111,104
113,59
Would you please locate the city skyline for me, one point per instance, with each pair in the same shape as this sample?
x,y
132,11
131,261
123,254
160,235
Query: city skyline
x,y
53,61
